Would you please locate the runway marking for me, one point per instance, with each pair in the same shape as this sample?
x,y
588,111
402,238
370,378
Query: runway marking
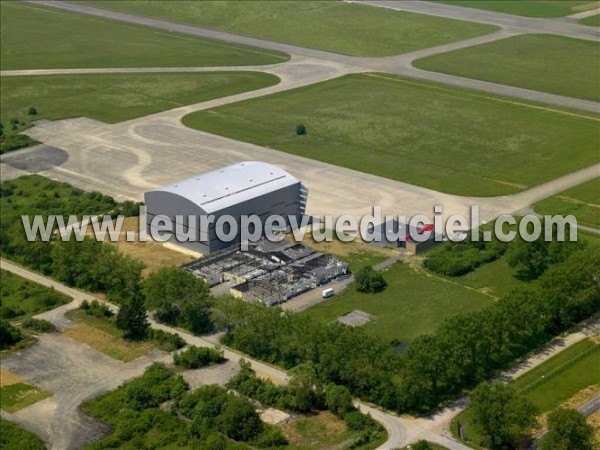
x,y
501,100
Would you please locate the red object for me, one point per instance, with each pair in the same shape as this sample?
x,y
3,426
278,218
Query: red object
x,y
426,228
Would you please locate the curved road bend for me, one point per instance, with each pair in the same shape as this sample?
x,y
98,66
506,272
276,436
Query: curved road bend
x,y
396,434
401,429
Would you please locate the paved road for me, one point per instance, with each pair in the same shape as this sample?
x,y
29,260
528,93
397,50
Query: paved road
x,y
508,21
401,429
61,426
591,406
400,65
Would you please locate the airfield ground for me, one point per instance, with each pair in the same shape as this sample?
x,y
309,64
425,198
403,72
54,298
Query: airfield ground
x,y
25,26
560,59
116,97
422,133
542,8
583,201
338,27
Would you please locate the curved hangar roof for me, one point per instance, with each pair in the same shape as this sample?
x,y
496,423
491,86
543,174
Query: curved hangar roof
x,y
221,188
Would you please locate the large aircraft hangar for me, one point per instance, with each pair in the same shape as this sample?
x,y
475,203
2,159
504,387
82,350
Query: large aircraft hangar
x,y
247,188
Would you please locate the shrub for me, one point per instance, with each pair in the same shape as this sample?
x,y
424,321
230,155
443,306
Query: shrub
x,y
39,325
195,357
9,335
96,309
301,129
270,437
166,341
367,280
32,111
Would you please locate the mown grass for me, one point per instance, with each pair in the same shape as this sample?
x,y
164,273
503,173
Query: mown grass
x,y
117,97
582,201
14,397
413,303
358,30
35,37
591,21
496,278
562,376
443,138
556,64
528,8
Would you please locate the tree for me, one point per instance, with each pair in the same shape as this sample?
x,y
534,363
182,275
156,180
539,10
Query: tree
x,y
133,319
567,429
529,259
239,420
338,399
367,280
306,388
301,129
178,298
32,111
501,416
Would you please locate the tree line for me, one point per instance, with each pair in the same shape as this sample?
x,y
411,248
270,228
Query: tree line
x,y
465,350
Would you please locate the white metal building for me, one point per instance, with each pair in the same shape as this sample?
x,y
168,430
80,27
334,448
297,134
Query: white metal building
x,y
247,188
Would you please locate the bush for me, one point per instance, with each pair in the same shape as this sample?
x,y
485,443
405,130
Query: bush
x,y
96,309
38,325
32,111
455,259
270,437
367,280
301,129
195,357
9,335
166,341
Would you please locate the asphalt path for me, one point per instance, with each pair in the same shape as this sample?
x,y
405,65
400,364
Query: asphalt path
x,y
401,429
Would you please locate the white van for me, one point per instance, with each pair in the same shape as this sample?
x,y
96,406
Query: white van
x,y
328,293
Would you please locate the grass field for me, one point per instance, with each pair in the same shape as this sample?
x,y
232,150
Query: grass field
x,y
105,337
117,97
34,37
443,138
552,383
582,201
413,303
529,8
591,21
542,62
496,278
562,376
322,430
16,393
20,298
334,26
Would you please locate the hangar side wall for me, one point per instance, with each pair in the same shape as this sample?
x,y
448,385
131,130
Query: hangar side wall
x,y
287,201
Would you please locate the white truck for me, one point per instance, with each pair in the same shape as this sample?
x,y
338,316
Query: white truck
x,y
328,293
